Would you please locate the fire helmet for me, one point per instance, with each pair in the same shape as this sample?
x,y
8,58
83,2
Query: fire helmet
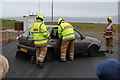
x,y
40,16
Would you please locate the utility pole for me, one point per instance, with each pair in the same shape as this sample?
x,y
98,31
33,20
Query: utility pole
x,y
52,12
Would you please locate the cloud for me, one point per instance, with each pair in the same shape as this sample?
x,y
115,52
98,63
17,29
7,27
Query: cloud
x,y
74,9
60,0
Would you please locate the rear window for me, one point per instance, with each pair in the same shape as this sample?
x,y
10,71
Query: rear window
x,y
26,33
54,34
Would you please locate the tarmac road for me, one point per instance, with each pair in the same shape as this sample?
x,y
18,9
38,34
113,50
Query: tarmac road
x,y
82,67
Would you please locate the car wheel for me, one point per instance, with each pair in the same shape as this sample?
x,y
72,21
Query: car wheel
x,y
50,55
93,51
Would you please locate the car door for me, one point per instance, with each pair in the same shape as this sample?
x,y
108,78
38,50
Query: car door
x,y
55,41
81,45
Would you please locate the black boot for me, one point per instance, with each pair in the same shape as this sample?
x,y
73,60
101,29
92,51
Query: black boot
x,y
38,63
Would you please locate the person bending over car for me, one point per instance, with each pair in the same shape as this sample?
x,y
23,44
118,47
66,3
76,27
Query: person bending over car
x,y
66,32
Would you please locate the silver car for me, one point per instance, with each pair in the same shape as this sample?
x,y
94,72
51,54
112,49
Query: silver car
x,y
83,44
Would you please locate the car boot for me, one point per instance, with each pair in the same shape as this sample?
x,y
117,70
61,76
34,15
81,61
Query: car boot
x,y
38,63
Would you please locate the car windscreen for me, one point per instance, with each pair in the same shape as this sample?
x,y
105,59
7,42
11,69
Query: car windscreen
x,y
77,34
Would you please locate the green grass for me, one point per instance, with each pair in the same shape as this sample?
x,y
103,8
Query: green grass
x,y
83,25
50,23
10,24
88,25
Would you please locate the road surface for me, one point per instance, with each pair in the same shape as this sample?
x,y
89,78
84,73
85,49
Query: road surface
x,y
82,67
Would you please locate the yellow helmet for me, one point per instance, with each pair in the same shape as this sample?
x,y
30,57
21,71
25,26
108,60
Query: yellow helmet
x,y
59,20
40,16
110,18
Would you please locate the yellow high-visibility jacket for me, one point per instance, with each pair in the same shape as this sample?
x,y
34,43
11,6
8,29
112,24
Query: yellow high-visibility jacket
x,y
40,33
65,31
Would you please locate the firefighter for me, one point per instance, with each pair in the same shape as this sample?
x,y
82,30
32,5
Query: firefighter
x,y
41,35
108,34
4,66
66,33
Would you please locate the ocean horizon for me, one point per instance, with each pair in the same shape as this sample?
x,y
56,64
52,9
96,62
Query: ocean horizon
x,y
101,20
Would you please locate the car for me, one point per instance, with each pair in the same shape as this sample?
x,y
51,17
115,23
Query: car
x,y
82,44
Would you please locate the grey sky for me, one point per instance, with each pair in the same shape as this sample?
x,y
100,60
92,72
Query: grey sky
x,y
69,9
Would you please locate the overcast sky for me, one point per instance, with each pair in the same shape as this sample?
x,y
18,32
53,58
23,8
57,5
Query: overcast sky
x,y
73,8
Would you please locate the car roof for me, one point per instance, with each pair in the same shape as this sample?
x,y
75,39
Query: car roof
x,y
51,25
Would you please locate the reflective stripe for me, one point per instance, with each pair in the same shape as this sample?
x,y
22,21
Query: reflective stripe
x,y
35,32
68,34
40,40
41,55
109,26
41,44
62,54
43,31
40,58
71,53
38,32
108,31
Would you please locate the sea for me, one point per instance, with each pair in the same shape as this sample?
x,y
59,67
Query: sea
x,y
102,20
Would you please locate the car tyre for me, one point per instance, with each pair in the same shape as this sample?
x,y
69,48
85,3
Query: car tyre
x,y
93,51
50,55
